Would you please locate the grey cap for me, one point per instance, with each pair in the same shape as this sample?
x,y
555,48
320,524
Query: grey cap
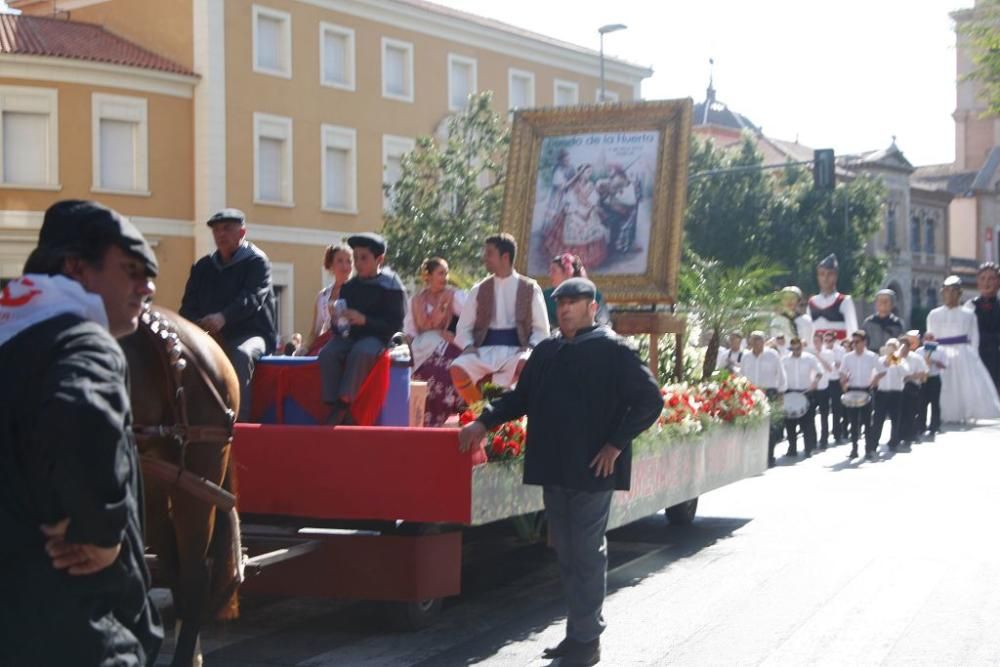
x,y
575,288
952,281
370,240
76,224
829,262
228,215
886,292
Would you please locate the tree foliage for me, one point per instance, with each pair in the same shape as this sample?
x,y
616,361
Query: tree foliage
x,y
982,32
779,216
450,194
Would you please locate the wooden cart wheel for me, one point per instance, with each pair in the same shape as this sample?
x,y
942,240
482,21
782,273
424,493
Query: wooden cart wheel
x,y
412,616
683,513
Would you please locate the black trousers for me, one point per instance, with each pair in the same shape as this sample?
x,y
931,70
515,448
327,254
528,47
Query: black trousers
x,y
888,405
854,420
777,425
821,401
931,402
838,411
807,424
909,420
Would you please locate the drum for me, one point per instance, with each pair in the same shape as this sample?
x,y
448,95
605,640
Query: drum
x,y
856,398
796,404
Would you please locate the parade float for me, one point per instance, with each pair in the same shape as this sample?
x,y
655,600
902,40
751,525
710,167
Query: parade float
x,y
379,512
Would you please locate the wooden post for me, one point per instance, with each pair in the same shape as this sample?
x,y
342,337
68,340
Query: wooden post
x,y
654,354
655,324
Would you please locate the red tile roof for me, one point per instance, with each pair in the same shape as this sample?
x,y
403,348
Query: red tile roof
x,y
59,38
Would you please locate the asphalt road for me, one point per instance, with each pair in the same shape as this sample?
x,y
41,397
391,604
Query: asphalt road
x,y
818,561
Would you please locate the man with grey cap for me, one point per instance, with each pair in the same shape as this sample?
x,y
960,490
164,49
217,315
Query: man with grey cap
x,y
73,580
586,395
883,324
374,307
229,294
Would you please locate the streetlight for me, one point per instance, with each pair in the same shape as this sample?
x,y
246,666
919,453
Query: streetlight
x,y
603,30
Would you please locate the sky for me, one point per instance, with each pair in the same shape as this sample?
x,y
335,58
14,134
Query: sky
x,y
847,75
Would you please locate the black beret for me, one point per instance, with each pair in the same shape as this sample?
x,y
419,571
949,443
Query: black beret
x,y
370,240
75,224
575,288
228,215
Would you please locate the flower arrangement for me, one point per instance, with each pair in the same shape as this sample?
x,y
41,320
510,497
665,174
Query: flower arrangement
x,y
504,443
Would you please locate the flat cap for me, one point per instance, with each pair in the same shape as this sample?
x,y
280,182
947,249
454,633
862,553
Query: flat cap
x,y
370,240
829,262
913,333
575,288
886,292
228,215
792,289
75,224
952,281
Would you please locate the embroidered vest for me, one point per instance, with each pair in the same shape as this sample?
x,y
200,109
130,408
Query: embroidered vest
x,y
486,306
831,313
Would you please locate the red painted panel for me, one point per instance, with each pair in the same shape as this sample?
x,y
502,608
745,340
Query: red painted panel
x,y
368,567
323,472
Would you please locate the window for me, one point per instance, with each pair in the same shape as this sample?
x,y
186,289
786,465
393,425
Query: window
x,y
393,150
397,70
609,95
272,42
931,298
890,226
339,169
29,137
915,234
520,89
565,93
461,80
929,245
915,297
336,53
120,135
272,159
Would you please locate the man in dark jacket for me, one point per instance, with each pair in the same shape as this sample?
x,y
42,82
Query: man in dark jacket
x,y
587,395
986,306
229,294
883,324
73,582
374,307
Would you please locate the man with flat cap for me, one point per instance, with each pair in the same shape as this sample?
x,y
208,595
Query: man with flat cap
x,y
883,324
586,395
73,582
375,306
229,293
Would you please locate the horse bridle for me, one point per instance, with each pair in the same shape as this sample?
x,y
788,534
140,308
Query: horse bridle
x,y
162,332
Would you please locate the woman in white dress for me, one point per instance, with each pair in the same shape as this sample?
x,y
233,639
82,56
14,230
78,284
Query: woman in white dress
x,y
967,392
338,260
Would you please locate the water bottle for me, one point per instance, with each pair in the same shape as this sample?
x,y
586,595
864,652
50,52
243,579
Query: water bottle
x,y
343,326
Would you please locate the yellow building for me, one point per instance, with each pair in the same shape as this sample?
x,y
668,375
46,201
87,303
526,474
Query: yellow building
x,y
295,111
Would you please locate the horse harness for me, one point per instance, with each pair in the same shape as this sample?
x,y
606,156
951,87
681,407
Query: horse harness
x,y
161,331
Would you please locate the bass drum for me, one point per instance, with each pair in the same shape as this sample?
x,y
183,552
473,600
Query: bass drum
x,y
796,405
856,398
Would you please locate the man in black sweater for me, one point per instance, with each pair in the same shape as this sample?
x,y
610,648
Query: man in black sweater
x,y
229,294
587,395
375,302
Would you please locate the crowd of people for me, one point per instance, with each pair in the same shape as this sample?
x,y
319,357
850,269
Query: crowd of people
x,y
817,359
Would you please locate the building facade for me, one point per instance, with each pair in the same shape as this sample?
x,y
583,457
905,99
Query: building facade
x,y
296,111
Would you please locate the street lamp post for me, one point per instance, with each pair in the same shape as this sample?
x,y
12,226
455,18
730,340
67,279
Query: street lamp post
x,y
603,30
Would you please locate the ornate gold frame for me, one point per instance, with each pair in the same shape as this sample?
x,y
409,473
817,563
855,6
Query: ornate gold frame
x,y
672,119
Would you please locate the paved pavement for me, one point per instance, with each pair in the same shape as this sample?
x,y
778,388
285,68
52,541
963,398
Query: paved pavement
x,y
818,561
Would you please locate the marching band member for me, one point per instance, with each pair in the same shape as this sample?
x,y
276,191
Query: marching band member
x,y
827,378
831,310
729,357
967,391
936,360
889,379
802,372
883,324
762,367
857,372
913,389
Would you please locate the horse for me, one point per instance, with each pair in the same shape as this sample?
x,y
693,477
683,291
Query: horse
x,y
185,396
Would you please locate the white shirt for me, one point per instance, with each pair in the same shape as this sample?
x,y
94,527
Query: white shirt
x,y
800,371
505,311
915,364
938,355
727,358
894,374
945,322
859,369
829,357
765,370
850,323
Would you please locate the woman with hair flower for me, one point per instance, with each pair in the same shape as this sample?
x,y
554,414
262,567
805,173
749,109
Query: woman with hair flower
x,y
563,267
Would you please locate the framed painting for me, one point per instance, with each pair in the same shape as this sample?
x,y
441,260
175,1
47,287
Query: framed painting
x,y
606,183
